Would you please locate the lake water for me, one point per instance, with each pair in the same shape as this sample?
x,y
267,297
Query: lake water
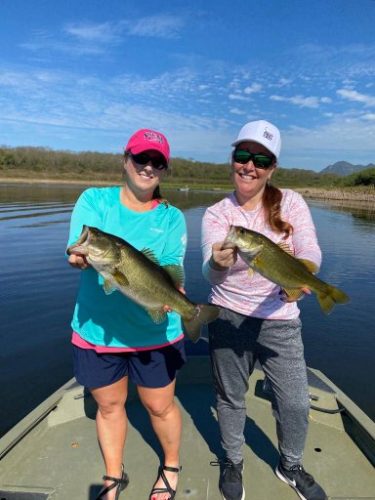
x,y
37,292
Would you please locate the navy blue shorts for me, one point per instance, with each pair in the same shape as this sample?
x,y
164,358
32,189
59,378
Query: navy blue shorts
x,y
154,368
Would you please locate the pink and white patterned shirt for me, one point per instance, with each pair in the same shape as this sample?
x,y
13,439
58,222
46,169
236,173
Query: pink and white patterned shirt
x,y
233,288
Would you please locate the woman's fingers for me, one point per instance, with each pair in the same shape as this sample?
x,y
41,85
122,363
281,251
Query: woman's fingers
x,y
79,261
223,257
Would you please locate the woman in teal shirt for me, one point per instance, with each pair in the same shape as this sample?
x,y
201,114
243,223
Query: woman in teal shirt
x,y
114,338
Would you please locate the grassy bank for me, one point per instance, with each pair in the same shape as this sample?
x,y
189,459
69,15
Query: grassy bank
x,y
363,194
101,180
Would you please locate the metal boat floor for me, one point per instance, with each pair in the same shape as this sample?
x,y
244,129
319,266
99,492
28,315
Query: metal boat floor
x,y
59,458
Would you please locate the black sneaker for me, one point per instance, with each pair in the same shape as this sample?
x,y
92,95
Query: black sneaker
x,y
230,483
304,484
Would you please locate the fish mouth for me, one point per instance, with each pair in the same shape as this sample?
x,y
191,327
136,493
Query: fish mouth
x,y
230,240
80,246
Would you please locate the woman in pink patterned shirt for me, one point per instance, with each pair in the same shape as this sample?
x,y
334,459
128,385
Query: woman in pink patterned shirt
x,y
257,321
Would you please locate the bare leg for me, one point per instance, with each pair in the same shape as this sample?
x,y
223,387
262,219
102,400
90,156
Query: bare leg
x,y
111,426
166,421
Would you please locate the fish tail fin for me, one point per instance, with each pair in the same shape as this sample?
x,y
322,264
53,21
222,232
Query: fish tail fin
x,y
205,313
330,297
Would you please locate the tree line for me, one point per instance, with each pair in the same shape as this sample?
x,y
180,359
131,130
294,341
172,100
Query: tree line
x,y
37,162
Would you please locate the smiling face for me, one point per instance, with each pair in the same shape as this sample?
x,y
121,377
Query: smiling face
x,y
143,178
250,181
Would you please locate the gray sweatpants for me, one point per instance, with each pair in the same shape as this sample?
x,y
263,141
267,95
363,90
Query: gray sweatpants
x,y
236,343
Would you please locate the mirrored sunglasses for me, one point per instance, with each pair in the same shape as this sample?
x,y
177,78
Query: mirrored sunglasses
x,y
260,160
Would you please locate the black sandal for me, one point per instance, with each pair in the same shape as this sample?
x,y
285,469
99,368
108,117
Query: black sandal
x,y
168,488
119,483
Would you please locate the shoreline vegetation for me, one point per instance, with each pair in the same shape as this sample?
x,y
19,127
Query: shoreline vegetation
x,y
87,168
357,196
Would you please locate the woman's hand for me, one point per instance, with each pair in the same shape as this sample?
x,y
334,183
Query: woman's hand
x,y
168,309
78,261
222,258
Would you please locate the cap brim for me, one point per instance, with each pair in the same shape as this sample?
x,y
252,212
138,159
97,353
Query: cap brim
x,y
136,150
235,143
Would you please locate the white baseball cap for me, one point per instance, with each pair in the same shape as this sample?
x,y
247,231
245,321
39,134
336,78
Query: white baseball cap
x,y
262,132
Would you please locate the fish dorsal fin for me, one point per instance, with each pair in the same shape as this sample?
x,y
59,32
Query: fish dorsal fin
x,y
293,293
150,255
313,268
120,277
176,272
157,315
284,246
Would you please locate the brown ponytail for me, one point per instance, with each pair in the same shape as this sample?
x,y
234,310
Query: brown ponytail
x,y
272,204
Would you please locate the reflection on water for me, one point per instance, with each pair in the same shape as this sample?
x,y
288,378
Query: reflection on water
x,y
38,291
362,210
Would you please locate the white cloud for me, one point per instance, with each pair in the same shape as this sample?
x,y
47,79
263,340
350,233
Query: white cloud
x,y
353,95
369,116
344,135
283,82
236,111
238,97
301,101
104,32
93,39
298,100
252,89
161,26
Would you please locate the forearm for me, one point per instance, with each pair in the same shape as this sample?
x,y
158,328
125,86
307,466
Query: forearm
x,y
214,273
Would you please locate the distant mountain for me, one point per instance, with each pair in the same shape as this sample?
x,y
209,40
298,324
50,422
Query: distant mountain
x,y
344,168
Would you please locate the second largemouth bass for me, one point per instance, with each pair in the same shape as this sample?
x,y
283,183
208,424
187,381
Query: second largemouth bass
x,y
277,265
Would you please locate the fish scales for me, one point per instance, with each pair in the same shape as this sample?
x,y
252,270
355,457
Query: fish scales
x,y
137,275
280,267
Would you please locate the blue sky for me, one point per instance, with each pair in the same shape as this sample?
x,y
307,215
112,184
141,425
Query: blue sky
x,y
83,75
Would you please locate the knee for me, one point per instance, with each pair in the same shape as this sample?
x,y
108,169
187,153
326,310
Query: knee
x,y
298,407
111,407
160,410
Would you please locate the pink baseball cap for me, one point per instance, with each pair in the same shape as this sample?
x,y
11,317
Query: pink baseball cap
x,y
145,140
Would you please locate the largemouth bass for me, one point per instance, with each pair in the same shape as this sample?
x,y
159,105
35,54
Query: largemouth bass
x,y
138,275
276,264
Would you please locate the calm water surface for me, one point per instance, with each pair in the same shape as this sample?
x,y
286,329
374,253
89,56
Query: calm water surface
x,y
38,289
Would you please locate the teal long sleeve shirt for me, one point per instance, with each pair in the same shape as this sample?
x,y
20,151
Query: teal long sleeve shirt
x,y
114,320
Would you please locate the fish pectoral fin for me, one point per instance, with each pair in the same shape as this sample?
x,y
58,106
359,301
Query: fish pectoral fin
x,y
108,287
293,293
157,315
150,255
120,278
176,272
313,268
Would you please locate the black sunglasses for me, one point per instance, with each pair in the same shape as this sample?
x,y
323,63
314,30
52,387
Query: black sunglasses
x,y
260,160
158,162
